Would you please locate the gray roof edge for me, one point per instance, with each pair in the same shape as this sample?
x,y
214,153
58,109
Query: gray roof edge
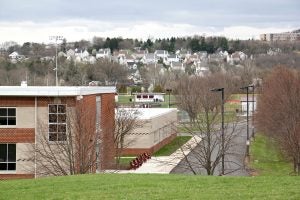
x,y
54,91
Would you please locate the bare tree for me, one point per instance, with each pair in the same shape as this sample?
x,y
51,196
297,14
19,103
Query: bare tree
x,y
278,114
126,120
204,109
107,72
68,146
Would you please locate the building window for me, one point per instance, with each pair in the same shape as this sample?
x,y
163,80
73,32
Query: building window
x,y
57,122
7,157
7,116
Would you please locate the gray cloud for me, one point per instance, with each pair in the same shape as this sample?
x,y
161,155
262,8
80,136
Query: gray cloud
x,y
34,20
202,13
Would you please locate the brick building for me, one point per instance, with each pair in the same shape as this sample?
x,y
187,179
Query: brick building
x,y
24,109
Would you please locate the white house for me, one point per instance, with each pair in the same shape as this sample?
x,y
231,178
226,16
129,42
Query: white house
x,y
161,54
14,55
173,58
103,53
149,58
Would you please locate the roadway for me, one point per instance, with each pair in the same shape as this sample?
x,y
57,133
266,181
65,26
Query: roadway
x,y
234,159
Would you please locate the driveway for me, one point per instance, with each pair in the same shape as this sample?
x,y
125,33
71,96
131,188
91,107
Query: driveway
x,y
234,160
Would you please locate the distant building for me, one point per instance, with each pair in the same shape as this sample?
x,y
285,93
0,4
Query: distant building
x,y
250,105
149,97
161,54
290,36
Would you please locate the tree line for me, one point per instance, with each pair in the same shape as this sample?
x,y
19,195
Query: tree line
x,y
172,44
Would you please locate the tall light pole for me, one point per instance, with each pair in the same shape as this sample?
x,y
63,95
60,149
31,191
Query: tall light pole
x,y
56,38
169,91
222,114
248,141
253,88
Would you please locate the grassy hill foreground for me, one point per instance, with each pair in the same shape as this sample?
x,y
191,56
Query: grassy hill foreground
x,y
155,186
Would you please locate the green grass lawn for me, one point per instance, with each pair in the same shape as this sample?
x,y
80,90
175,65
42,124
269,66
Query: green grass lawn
x,y
124,98
173,146
266,158
155,186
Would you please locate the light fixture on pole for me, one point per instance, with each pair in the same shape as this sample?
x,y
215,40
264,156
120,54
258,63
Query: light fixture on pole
x,y
222,115
56,38
169,91
248,141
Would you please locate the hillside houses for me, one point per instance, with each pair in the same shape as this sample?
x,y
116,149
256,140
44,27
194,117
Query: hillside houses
x,y
198,62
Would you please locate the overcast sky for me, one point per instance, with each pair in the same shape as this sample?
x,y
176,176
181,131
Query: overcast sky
x,y
36,20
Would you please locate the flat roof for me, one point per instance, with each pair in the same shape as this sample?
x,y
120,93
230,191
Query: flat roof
x,y
54,90
149,113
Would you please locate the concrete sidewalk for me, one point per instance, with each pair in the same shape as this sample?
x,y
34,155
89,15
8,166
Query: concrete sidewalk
x,y
165,164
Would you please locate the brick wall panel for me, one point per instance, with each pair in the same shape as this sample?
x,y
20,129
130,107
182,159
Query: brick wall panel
x,y
17,135
17,101
107,126
16,176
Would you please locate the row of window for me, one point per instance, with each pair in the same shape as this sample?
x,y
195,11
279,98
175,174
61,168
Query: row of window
x,y
56,126
145,96
57,120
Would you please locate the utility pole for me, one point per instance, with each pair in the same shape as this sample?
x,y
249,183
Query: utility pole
x,y
56,38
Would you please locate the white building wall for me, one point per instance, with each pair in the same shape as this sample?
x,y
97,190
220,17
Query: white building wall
x,y
152,131
24,158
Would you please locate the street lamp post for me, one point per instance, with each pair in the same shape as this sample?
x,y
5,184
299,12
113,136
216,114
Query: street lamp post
x,y
169,91
248,141
56,38
253,88
222,116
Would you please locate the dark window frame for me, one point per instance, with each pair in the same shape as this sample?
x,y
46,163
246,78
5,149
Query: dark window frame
x,y
57,122
9,161
8,116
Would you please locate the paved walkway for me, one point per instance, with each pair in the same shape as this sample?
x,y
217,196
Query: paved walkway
x,y
165,164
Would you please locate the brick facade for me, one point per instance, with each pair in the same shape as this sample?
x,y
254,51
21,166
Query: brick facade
x,y
88,102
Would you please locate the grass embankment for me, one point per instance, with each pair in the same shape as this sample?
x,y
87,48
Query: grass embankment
x,y
172,146
166,150
266,159
141,186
